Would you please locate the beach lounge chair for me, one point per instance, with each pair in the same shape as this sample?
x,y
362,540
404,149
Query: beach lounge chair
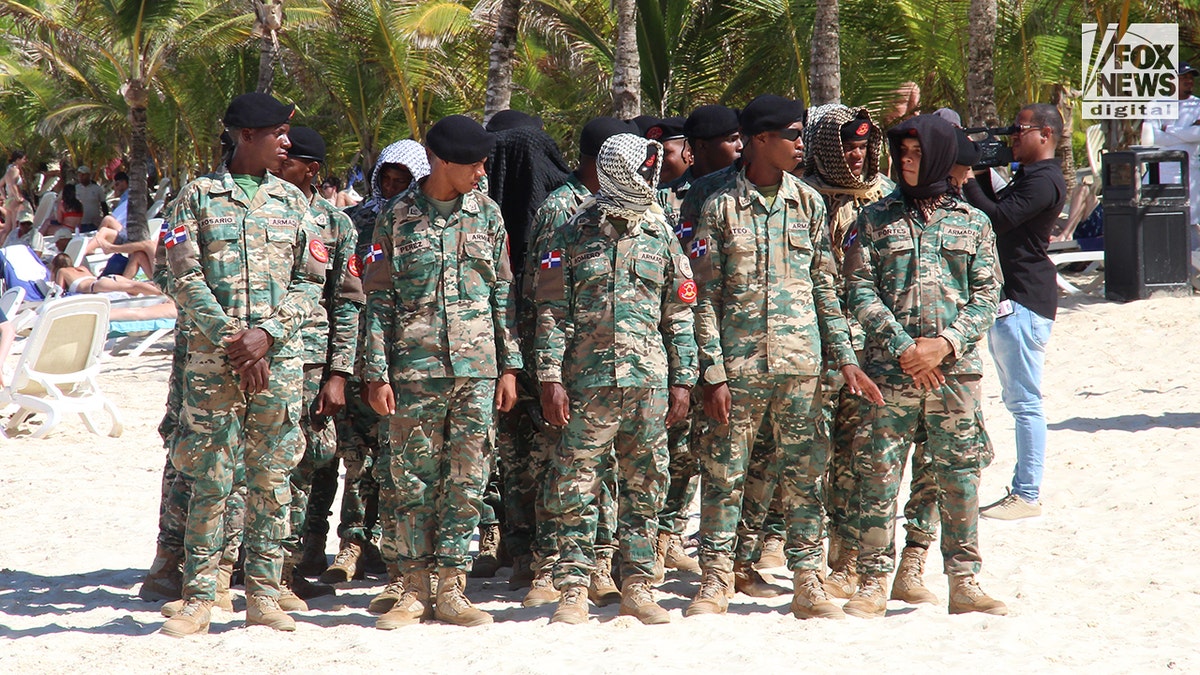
x,y
56,373
138,336
1069,251
10,301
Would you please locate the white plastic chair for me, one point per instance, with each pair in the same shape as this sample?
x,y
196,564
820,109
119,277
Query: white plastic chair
x,y
57,370
45,208
163,187
154,209
11,301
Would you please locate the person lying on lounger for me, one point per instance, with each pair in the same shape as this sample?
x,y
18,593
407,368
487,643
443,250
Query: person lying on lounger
x,y
81,280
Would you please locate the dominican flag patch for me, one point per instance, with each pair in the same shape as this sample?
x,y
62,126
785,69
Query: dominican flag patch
x,y
178,235
374,255
699,248
551,259
683,230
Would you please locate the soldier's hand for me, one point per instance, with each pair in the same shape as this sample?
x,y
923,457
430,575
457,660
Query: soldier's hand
x,y
718,401
861,385
247,346
556,405
929,380
506,391
254,377
681,401
381,398
927,353
333,395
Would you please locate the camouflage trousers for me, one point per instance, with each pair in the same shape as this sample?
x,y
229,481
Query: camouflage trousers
x,y
222,431
438,457
788,405
762,500
359,445
320,444
684,470
956,449
609,425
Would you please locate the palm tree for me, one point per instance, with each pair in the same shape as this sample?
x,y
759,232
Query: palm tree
x,y
824,62
268,22
981,91
500,60
627,73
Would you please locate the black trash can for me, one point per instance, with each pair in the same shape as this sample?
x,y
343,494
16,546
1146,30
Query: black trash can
x,y
1146,213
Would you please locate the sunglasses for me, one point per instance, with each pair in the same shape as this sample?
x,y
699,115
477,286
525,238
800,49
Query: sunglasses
x,y
790,134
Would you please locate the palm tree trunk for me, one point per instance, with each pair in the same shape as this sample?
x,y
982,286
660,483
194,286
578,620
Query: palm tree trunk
x,y
981,88
1062,100
500,61
268,21
139,191
627,69
267,51
825,70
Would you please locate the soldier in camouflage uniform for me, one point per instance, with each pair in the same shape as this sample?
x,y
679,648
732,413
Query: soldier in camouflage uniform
x,y
246,273
762,257
330,339
440,358
923,286
615,354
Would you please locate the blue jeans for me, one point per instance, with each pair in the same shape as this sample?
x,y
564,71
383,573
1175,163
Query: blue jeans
x,y
1018,346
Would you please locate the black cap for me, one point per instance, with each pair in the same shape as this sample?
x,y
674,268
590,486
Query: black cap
x,y
711,121
856,129
512,119
306,144
599,130
256,110
644,122
666,129
1185,68
968,150
458,139
770,113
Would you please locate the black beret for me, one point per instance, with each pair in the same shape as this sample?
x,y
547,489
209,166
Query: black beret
x,y
512,119
256,111
711,121
599,130
968,150
666,129
306,144
856,130
644,122
458,139
770,113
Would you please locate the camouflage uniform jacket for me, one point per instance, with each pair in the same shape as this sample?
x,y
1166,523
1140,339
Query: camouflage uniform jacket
x,y
238,264
344,286
768,299
439,292
909,280
614,307
671,195
693,202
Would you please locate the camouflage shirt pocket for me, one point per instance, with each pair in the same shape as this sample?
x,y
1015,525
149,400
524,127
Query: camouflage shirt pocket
x,y
222,252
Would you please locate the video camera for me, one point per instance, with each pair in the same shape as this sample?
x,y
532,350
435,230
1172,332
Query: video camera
x,y
992,150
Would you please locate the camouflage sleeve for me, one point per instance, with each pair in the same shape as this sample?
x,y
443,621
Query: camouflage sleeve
x,y
349,299
709,262
381,302
544,222
193,296
678,328
552,293
304,290
975,317
504,306
835,332
863,265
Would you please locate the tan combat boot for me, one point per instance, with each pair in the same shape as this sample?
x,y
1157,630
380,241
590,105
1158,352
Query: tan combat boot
x,y
637,600
809,600
164,579
572,607
842,581
542,590
661,544
909,584
312,561
452,605
345,564
716,588
748,581
772,556
677,558
414,605
264,610
488,561
191,619
870,600
602,590
223,598
522,575
966,596
383,602
288,600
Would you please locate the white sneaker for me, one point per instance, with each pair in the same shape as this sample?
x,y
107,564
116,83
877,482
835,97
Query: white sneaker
x,y
1012,507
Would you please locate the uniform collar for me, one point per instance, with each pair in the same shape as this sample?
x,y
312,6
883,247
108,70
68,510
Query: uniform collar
x,y
272,185
747,192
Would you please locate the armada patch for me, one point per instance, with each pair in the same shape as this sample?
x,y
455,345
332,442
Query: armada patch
x,y
953,231
282,222
317,249
798,225
413,247
656,259
480,237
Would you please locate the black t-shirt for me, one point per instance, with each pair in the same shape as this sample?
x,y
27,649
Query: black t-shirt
x,y
1023,215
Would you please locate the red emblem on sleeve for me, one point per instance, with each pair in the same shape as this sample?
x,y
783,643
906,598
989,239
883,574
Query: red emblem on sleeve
x,y
318,251
354,266
687,291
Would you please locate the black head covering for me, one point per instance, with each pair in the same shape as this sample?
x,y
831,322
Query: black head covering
x,y
256,111
511,119
939,149
711,121
524,167
770,113
306,144
666,129
601,129
644,122
458,139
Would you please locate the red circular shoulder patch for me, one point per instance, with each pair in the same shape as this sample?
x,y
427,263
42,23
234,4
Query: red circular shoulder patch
x,y
687,291
354,266
317,249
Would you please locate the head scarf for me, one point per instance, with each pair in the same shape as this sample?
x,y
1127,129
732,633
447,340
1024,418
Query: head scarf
x,y
407,153
939,149
525,166
623,192
826,157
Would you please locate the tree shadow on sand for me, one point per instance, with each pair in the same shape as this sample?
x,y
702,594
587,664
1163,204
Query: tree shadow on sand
x,y
68,598
1132,423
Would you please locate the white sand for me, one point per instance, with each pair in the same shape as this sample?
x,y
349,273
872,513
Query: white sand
x,y
1105,580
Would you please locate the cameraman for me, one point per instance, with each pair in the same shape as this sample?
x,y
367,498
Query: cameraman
x,y
1023,214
